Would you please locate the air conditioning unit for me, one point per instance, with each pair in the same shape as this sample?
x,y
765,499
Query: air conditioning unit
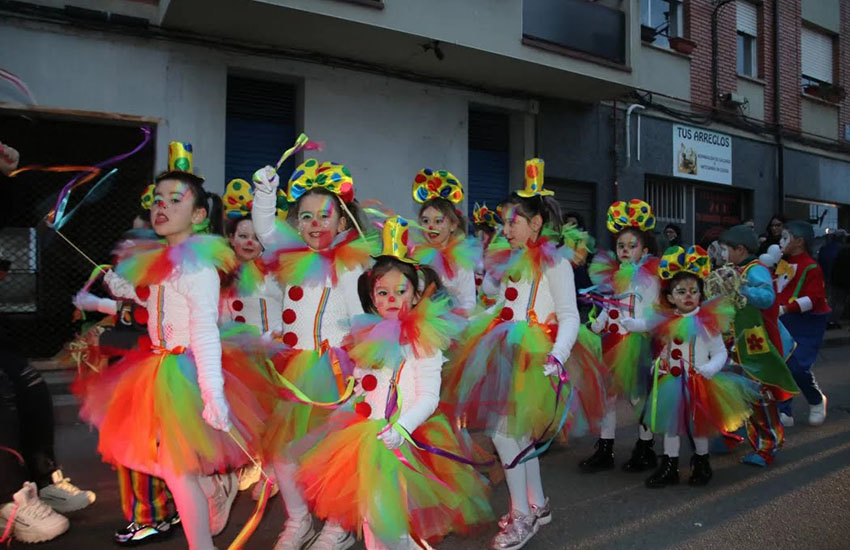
x,y
733,100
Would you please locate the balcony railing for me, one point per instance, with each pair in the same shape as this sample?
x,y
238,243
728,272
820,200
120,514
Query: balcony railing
x,y
576,26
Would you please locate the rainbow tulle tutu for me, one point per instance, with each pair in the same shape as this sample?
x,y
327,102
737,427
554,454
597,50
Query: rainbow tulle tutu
x,y
349,476
627,357
148,409
320,375
699,406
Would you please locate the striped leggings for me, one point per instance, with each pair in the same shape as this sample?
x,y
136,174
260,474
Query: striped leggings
x,y
144,498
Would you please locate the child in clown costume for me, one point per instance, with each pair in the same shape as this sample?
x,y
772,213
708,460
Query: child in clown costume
x,y
486,225
758,345
517,365
446,249
390,467
804,312
317,259
628,287
690,393
190,404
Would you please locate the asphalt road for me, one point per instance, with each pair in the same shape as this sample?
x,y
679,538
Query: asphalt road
x,y
802,501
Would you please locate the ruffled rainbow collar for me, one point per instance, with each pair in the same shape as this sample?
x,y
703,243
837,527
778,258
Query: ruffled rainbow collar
x,y
147,261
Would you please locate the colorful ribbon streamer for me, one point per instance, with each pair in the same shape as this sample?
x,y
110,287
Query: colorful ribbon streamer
x,y
303,143
254,520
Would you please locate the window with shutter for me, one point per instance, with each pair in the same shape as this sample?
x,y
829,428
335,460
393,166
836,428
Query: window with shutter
x,y
747,17
747,25
260,125
816,56
489,158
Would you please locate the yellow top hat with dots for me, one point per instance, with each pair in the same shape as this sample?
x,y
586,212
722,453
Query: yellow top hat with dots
x,y
534,180
395,239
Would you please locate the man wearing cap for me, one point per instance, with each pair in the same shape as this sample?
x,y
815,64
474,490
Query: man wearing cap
x,y
804,312
759,346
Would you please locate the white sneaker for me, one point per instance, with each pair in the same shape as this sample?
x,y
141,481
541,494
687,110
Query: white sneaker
x,y
34,521
787,421
63,496
297,534
248,476
333,537
817,413
221,501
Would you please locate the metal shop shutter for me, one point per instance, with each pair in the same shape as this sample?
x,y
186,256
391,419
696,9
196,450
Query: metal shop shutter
x,y
575,196
260,126
489,159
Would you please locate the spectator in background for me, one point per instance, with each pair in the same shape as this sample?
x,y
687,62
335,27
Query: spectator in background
x,y
773,232
673,233
841,284
827,255
751,224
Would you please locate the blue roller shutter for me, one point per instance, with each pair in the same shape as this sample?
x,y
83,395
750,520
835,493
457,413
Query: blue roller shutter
x,y
260,126
489,159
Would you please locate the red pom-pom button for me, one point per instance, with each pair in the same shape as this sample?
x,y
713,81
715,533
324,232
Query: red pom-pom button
x,y
296,293
289,316
290,339
507,314
676,354
237,305
614,329
143,292
613,314
239,319
363,409
369,382
677,341
676,370
140,315
511,293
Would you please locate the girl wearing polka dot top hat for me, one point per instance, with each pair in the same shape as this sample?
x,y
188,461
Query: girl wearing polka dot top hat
x,y
444,246
691,393
189,403
519,363
626,289
317,256
392,468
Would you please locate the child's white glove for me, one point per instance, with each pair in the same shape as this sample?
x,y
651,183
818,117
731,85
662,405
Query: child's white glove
x,y
708,370
391,438
217,413
266,180
598,324
551,367
633,325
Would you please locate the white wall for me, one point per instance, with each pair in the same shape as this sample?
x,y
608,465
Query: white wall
x,y
384,129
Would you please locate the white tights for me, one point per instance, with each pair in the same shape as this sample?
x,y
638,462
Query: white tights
x,y
192,505
524,483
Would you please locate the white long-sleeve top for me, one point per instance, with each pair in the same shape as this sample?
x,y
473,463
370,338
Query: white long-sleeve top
x,y
702,353
461,287
418,386
262,308
312,313
552,298
183,312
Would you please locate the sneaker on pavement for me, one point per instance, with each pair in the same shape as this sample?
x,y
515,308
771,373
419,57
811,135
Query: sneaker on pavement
x,y
221,501
137,534
333,537
297,534
248,476
817,413
515,534
63,496
787,421
33,520
542,514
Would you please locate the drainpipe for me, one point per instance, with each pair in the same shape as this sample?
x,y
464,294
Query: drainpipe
x,y
780,148
616,152
715,92
629,111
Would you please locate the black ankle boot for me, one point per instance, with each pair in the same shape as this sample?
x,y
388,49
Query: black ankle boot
x,y
643,457
700,470
666,474
601,459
